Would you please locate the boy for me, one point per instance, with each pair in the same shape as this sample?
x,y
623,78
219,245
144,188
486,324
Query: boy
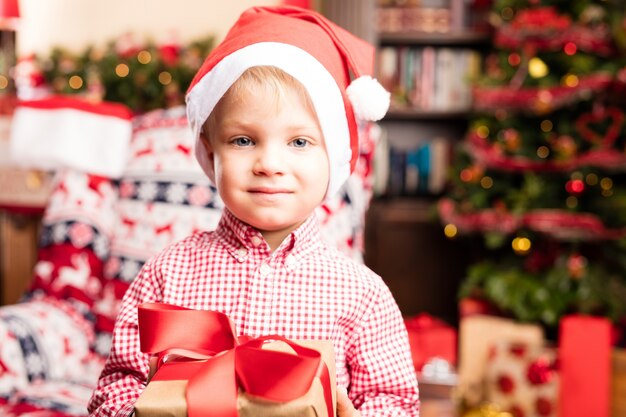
x,y
276,133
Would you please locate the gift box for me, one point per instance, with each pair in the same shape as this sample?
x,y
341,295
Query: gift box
x,y
430,338
585,366
522,378
209,371
477,335
618,382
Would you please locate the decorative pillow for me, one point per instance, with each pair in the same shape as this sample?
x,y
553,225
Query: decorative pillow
x,y
163,197
44,340
48,399
75,239
343,215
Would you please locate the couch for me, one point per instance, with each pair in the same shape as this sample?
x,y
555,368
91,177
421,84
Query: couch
x,y
96,233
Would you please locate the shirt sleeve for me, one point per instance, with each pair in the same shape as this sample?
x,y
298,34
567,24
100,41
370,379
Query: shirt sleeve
x,y
382,380
126,370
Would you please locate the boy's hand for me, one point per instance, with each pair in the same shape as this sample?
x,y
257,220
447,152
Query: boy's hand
x,y
344,405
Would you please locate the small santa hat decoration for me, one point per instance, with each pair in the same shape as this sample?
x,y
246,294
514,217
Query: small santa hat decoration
x,y
333,65
69,132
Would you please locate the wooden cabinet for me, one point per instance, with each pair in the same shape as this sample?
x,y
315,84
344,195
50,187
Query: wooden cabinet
x,y
419,264
23,196
18,254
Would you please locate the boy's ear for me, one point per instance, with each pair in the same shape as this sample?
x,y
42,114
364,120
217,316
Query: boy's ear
x,y
206,156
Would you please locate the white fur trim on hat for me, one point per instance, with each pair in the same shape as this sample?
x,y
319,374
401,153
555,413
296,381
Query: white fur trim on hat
x,y
320,84
49,134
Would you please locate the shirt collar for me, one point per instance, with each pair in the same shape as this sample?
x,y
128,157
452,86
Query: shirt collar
x,y
241,239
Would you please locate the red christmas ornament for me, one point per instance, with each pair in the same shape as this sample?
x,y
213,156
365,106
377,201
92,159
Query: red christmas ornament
x,y
517,411
575,187
518,349
576,265
539,372
543,406
506,384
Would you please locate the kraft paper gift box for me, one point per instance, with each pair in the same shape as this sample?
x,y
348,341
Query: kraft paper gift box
x,y
166,398
240,379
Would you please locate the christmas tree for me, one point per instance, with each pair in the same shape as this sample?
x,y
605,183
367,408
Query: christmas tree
x,y
542,171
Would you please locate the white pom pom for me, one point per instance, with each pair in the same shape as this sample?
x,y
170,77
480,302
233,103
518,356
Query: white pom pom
x,y
369,99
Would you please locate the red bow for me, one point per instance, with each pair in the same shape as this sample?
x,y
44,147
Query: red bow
x,y
226,361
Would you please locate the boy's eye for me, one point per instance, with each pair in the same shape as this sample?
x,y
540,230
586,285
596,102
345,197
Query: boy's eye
x,y
300,142
242,141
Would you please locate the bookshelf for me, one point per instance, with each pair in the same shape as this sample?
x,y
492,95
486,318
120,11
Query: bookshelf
x,y
427,53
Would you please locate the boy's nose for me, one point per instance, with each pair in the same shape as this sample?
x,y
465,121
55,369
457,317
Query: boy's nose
x,y
269,161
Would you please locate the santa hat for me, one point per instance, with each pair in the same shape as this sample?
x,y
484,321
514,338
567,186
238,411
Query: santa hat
x,y
334,66
68,132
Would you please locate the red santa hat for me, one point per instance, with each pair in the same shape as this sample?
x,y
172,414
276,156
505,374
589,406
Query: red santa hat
x,y
69,132
334,66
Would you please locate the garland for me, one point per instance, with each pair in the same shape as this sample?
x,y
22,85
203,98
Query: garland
x,y
143,75
540,99
560,224
543,29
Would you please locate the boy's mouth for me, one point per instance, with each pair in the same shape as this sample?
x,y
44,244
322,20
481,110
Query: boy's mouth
x,y
268,190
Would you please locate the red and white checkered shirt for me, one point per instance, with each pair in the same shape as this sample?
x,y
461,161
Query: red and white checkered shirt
x,y
303,290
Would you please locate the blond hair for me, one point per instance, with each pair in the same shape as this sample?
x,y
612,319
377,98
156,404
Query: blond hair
x,y
263,80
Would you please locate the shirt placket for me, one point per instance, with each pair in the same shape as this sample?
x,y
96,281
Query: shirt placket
x,y
261,302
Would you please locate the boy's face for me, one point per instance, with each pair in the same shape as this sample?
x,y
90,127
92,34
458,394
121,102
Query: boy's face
x,y
269,159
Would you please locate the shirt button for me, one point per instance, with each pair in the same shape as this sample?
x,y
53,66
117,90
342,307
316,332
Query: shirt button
x,y
242,252
256,241
265,270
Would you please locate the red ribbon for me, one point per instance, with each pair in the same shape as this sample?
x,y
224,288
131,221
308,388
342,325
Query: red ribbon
x,y
226,362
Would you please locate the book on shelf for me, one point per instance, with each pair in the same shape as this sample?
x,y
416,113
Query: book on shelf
x,y
426,16
420,170
428,78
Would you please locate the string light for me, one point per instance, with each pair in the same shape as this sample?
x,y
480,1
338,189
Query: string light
x,y
4,82
165,77
450,230
592,179
144,57
122,70
543,152
607,187
521,245
571,202
75,82
546,126
537,68
486,182
482,131
570,80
